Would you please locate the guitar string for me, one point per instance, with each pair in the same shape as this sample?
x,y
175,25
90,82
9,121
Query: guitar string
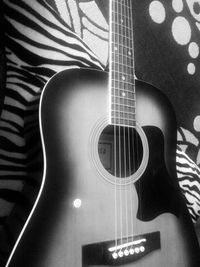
x,y
128,71
124,72
131,46
125,63
116,123
116,118
119,125
122,68
113,92
119,122
131,127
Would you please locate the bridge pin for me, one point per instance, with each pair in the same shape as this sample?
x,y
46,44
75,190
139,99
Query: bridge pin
x,y
121,254
131,250
142,248
126,252
137,250
115,255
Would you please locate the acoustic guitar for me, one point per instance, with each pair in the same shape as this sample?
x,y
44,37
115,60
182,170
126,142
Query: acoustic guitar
x,y
109,194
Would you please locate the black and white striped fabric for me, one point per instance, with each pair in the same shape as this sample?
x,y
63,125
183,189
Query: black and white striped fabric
x,y
39,43
43,38
189,180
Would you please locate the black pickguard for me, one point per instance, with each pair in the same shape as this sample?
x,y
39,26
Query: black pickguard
x,y
156,190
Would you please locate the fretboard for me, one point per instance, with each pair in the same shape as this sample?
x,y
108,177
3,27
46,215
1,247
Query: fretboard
x,y
122,84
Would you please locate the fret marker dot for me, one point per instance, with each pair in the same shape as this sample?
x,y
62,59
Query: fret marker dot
x,y
123,94
123,78
115,48
129,53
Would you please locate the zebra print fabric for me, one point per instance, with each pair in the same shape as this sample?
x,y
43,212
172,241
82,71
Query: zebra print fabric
x,y
42,38
188,175
38,44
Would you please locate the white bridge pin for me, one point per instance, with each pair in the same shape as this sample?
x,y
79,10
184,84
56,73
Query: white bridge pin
x,y
126,252
115,255
121,254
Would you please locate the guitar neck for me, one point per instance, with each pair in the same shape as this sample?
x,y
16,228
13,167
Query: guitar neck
x,y
122,84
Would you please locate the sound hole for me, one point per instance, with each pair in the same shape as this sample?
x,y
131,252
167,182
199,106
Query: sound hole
x,y
120,150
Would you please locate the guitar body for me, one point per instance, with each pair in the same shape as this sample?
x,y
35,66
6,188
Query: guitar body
x,y
75,210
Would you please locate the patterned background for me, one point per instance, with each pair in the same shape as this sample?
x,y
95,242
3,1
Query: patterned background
x,y
43,37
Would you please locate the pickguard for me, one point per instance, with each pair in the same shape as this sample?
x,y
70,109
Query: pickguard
x,y
156,190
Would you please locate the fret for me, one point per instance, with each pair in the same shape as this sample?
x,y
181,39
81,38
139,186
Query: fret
x,y
123,108
122,94
123,9
123,102
121,20
123,116
122,30
122,53
125,78
127,46
123,122
116,17
124,85
122,2
121,23
127,111
120,85
119,60
121,39
122,57
123,65
123,49
122,70
122,76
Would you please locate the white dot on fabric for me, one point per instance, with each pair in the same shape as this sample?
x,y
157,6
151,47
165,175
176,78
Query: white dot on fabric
x,y
193,50
196,123
177,5
181,30
157,12
191,68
